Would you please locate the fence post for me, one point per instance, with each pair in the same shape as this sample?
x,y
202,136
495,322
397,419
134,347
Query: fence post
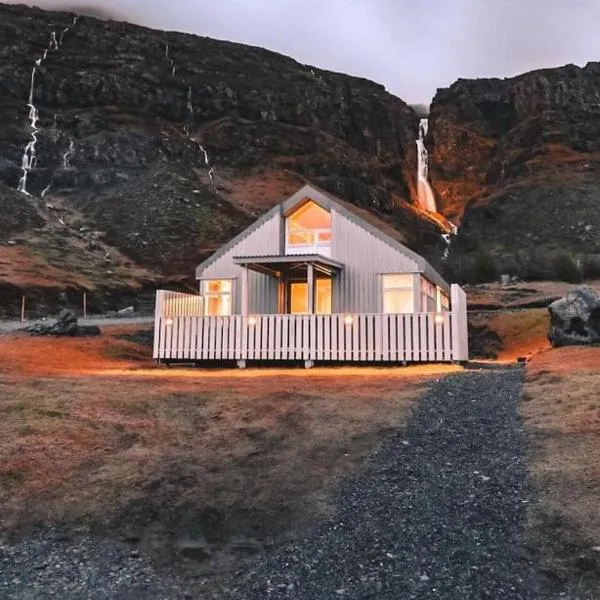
x,y
157,318
84,305
460,341
23,309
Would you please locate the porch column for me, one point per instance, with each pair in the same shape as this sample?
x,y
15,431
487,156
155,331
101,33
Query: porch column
x,y
311,288
244,310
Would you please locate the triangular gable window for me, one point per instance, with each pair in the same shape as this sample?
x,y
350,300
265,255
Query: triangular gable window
x,y
308,230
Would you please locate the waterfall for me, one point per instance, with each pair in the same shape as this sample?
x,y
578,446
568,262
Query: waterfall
x,y
29,159
190,112
67,155
426,197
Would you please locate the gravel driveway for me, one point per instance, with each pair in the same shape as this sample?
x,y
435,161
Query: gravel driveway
x,y
437,514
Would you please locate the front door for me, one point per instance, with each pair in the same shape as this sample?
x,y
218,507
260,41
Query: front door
x,y
297,297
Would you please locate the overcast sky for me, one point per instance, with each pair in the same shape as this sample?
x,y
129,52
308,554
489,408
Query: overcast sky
x,y
411,46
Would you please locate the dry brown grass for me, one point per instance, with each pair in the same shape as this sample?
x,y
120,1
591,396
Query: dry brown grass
x,y
521,332
561,411
524,292
232,458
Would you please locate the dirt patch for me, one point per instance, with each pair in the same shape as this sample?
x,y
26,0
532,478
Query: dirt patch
x,y
214,467
561,412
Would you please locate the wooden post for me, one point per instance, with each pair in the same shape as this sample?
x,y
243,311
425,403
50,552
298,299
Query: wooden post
x,y
84,305
22,309
460,343
311,288
244,290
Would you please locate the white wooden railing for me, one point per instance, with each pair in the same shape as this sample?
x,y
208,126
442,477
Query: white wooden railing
x,y
182,333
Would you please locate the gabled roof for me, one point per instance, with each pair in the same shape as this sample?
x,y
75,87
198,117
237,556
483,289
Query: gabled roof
x,y
362,217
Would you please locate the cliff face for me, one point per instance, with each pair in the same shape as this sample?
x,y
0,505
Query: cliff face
x,y
517,161
160,146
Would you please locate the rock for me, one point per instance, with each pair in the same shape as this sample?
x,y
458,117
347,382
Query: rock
x,y
497,161
575,318
65,325
196,550
133,158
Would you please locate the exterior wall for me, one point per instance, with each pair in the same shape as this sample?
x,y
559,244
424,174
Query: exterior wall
x,y
262,289
358,288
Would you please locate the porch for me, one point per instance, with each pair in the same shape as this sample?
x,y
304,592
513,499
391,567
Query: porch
x,y
183,334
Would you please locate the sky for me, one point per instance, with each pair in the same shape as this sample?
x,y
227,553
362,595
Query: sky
x,y
412,47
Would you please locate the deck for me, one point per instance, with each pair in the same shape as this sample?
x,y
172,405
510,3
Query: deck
x,y
182,334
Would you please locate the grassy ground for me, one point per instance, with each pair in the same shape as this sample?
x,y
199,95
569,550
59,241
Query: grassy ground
x,y
561,411
212,464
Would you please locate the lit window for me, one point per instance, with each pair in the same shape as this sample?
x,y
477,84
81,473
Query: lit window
x,y
309,226
428,296
398,293
217,297
323,297
444,301
299,297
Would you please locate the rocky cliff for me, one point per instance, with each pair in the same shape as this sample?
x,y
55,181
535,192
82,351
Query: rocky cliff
x,y
517,161
153,148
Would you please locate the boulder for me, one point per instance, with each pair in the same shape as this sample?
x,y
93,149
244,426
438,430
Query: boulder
x,y
65,325
575,318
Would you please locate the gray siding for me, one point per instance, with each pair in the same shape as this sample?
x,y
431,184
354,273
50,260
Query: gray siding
x,y
262,289
365,257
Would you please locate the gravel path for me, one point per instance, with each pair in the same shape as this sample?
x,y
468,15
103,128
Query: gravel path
x,y
436,514
8,326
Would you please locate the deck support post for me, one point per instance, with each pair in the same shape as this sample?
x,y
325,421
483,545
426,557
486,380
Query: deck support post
x,y
309,364
310,276
241,364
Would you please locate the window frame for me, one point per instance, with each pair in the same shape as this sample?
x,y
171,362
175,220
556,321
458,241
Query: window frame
x,y
313,235
206,294
408,287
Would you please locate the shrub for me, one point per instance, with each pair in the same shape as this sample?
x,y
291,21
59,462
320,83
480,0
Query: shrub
x,y
483,268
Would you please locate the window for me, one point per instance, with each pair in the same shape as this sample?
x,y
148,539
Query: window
x,y
444,301
298,298
398,293
323,297
309,228
217,297
428,296
298,291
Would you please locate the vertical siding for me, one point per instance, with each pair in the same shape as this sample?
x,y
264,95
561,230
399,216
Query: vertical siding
x,y
358,287
264,241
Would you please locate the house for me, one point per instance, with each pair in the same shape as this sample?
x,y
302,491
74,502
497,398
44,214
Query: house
x,y
315,279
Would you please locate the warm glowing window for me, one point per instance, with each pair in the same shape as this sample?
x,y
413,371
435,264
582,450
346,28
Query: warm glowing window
x,y
299,297
217,297
310,226
398,293
428,296
323,297
444,301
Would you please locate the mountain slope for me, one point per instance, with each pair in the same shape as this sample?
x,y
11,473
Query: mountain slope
x,y
518,161
164,145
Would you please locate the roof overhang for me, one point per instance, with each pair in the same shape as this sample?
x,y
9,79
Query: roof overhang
x,y
290,264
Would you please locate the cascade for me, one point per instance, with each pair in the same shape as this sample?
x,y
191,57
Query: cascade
x,y
190,111
29,159
425,193
67,155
